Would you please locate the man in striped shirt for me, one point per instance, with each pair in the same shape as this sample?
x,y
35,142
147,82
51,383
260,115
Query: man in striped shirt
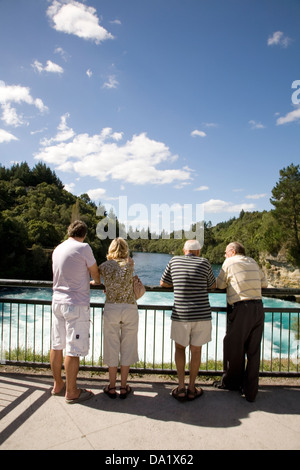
x,y
245,320
191,277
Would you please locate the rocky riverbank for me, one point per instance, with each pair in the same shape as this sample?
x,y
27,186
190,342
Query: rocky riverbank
x,y
280,273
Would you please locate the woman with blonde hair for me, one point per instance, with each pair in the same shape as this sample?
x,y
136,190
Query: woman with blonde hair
x,y
120,316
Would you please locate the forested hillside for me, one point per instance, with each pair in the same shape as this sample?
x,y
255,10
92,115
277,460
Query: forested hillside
x,y
35,211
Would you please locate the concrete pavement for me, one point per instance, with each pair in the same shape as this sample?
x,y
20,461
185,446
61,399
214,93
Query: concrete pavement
x,y
149,419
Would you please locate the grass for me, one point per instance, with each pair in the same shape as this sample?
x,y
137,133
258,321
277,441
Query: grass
x,y
22,355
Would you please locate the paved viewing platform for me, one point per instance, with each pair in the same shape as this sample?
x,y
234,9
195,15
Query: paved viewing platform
x,y
148,419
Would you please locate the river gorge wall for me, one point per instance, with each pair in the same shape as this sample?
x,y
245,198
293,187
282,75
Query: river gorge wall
x,y
279,272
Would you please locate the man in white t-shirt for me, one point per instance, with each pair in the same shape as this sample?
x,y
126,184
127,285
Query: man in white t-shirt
x,y
73,264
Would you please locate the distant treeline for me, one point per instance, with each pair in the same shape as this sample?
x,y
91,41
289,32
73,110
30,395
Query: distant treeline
x,y
258,231
35,211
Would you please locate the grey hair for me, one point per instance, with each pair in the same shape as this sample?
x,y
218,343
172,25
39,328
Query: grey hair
x,y
192,245
237,247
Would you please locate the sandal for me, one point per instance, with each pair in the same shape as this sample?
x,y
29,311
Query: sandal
x,y
127,391
107,390
83,396
176,392
198,392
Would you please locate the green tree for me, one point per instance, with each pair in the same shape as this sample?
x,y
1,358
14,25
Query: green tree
x,y
286,200
43,233
43,174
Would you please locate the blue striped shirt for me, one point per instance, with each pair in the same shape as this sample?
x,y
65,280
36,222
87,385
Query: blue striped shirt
x,y
191,276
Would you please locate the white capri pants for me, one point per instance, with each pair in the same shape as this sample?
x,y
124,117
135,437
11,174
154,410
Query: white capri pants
x,y
120,330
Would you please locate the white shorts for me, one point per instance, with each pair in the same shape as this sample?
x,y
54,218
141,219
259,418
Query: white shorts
x,y
71,329
195,333
121,322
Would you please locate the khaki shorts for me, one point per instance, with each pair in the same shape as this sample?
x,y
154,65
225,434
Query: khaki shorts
x,y
120,322
195,333
71,329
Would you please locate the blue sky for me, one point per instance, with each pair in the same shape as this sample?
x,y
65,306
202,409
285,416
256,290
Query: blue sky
x,y
158,101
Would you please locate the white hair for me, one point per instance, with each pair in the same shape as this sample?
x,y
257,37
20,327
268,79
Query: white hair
x,y
192,245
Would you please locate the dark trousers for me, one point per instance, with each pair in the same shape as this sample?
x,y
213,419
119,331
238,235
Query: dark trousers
x,y
245,324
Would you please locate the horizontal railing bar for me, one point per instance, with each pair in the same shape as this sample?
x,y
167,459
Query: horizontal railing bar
x,y
141,307
266,292
4,300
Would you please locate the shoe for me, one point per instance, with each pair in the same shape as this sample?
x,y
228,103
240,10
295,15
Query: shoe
x,y
59,394
83,396
251,400
176,392
127,391
198,392
107,390
218,384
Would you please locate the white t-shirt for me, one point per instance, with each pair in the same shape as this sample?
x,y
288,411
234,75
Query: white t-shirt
x,y
71,278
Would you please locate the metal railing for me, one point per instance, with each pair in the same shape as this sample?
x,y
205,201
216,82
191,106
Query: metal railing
x,y
25,338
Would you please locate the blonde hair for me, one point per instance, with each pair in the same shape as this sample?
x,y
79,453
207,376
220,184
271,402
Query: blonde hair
x,y
117,249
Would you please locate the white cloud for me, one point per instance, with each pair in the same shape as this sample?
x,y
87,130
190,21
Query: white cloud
x,y
53,68
76,18
89,73
182,185
256,125
6,136
38,103
112,82
38,131
217,205
16,94
196,133
49,67
64,132
96,194
289,117
10,116
279,39
103,157
115,22
69,187
38,66
256,196
19,95
210,124
202,188
62,53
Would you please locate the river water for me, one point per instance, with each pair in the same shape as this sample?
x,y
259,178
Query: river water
x,y
278,339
